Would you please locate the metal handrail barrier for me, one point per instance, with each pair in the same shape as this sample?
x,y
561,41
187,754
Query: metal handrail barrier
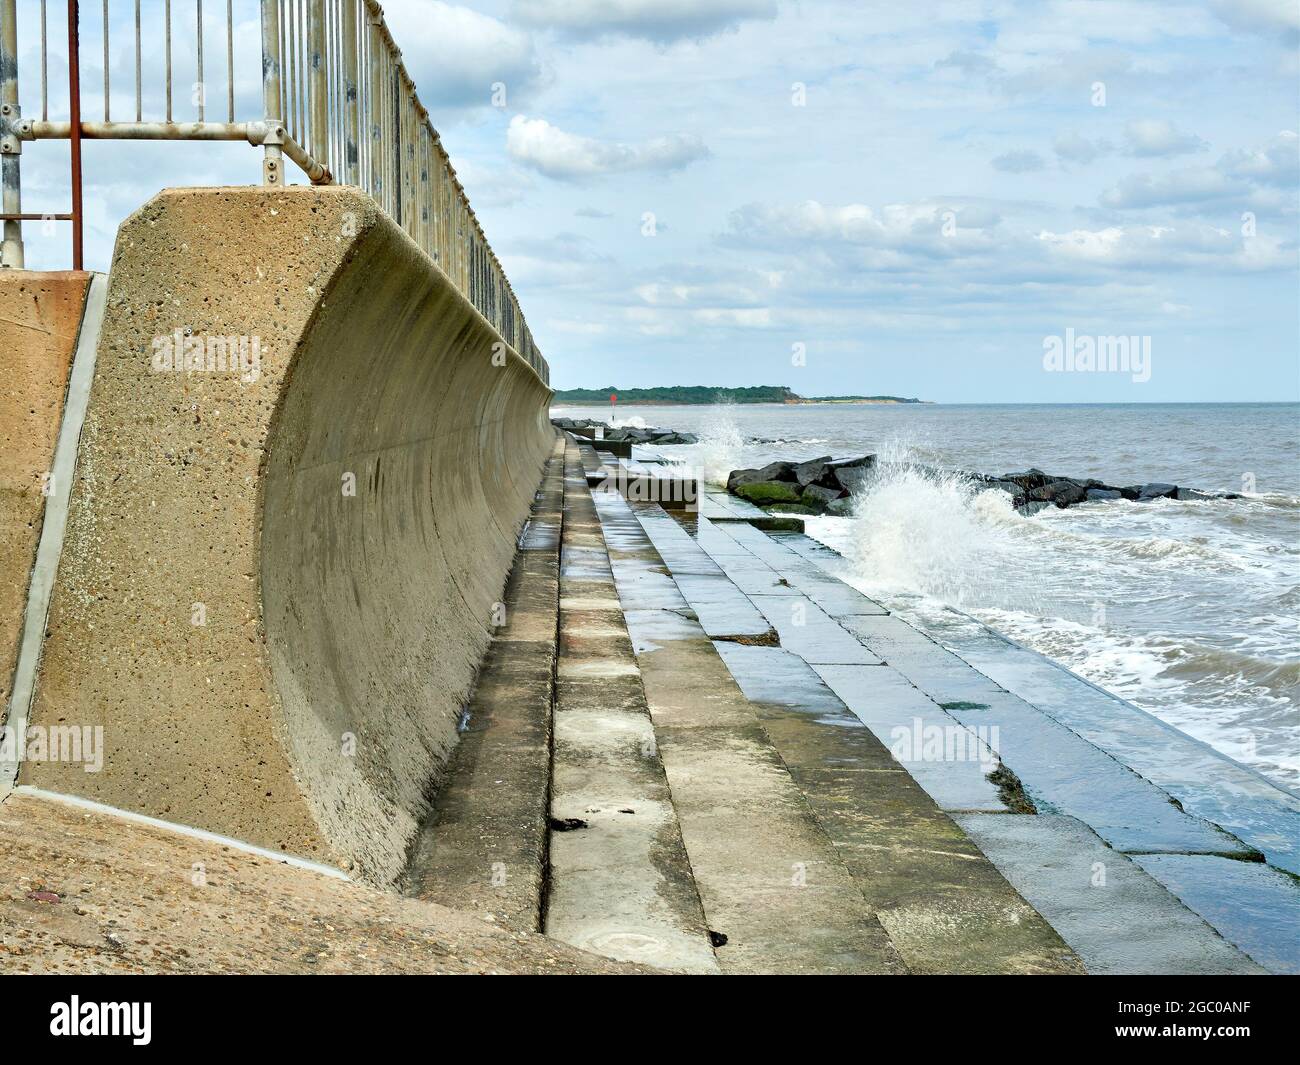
x,y
337,101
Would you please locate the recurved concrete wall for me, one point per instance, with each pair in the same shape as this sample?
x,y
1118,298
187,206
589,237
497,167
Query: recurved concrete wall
x,y
278,577
40,317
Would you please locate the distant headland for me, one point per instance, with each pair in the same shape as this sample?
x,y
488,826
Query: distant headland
x,y
707,395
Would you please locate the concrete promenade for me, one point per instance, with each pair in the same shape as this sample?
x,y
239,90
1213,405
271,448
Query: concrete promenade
x,y
339,658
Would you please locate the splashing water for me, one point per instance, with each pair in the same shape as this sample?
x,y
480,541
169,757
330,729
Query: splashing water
x,y
721,448
632,421
928,532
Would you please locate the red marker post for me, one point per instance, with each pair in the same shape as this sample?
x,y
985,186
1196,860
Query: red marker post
x,y
613,398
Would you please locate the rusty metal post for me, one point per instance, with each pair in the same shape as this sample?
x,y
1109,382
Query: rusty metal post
x,y
11,201
74,126
272,105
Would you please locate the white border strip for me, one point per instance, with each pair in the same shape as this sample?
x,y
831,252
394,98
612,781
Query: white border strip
x,y
56,519
182,830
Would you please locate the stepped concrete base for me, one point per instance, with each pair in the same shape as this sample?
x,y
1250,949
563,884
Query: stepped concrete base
x,y
771,880
484,846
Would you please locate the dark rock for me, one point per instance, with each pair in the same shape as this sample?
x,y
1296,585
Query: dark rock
x,y
1192,493
1157,490
1032,508
616,434
817,497
762,492
778,471
852,464
855,479
811,470
1031,478
1104,493
1062,493
840,508
738,477
1131,492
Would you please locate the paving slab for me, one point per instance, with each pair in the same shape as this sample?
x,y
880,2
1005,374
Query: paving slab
x,y
949,761
830,594
1251,904
1212,785
1064,773
1115,917
721,607
810,632
1207,783
947,909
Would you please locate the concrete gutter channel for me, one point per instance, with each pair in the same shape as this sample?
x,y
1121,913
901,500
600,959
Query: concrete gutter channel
x,y
483,847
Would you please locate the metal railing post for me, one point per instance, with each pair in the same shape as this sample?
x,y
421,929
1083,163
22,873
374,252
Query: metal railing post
x,y
11,201
272,106
318,87
351,117
74,125
375,95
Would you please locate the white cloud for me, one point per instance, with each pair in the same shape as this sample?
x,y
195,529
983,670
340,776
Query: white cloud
x,y
1188,244
1238,175
1274,163
660,21
1018,162
1076,148
535,143
455,55
1261,16
1187,186
1160,137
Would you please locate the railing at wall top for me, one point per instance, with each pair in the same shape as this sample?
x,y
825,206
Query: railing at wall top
x,y
337,101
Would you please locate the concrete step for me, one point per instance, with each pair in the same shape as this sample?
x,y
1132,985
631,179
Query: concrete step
x,y
946,908
620,881
926,683
1111,912
921,688
1207,783
770,878
483,847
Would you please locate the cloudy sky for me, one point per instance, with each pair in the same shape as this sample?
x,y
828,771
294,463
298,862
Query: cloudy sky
x,y
914,195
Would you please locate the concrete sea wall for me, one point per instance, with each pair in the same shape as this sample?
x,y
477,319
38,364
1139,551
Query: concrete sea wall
x,y
40,317
280,569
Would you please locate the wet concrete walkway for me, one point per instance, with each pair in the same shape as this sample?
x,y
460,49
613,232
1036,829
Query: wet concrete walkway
x,y
753,767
